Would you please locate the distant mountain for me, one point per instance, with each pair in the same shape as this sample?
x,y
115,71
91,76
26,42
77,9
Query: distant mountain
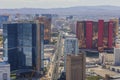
x,y
80,10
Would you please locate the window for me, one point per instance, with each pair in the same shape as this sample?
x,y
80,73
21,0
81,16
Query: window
x,y
4,76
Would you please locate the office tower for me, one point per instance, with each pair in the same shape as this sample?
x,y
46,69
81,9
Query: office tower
x,y
89,30
117,50
96,35
72,25
75,67
4,71
117,41
117,45
23,44
100,32
105,36
110,34
49,16
117,56
47,28
3,18
81,33
70,17
116,21
70,47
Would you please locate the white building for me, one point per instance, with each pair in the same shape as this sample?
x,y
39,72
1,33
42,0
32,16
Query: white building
x,y
4,71
106,58
70,47
117,56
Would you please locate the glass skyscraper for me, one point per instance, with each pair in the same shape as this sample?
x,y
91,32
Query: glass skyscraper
x,y
23,45
3,18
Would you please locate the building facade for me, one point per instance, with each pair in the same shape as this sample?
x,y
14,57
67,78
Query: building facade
x,y
106,58
24,45
75,67
89,30
3,18
96,35
4,71
117,56
47,29
70,47
117,48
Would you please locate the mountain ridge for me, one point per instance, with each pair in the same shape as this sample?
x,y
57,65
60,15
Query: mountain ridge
x,y
76,10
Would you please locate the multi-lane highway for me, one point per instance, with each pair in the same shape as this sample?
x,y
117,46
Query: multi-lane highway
x,y
53,72
58,54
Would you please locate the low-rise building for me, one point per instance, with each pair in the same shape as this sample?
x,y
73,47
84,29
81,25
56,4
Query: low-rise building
x,y
4,71
106,58
115,68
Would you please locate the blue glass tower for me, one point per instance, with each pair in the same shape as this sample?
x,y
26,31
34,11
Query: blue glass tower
x,y
24,45
3,18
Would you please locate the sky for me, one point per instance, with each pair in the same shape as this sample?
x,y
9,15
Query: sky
x,y
55,3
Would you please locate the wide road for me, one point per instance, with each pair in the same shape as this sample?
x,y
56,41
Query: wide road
x,y
58,53
53,72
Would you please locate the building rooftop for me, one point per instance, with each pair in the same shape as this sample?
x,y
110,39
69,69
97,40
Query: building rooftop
x,y
22,21
118,67
117,77
4,63
14,22
103,72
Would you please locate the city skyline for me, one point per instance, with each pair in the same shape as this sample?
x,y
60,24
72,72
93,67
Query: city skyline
x,y
7,4
59,39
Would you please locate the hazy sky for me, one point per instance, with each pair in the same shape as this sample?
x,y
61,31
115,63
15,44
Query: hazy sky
x,y
54,3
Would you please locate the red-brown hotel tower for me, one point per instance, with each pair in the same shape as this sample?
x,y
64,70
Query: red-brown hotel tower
x,y
96,35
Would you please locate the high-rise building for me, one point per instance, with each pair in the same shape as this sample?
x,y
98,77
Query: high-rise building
x,y
89,30
81,33
117,23
72,25
110,35
75,67
100,32
23,44
47,29
49,16
3,18
117,56
117,43
96,35
70,47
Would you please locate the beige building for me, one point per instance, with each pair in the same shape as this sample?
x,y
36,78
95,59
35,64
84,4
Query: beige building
x,y
106,58
116,21
75,67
